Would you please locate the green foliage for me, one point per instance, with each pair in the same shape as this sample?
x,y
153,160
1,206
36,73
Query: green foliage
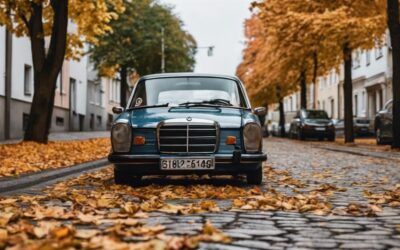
x,y
135,42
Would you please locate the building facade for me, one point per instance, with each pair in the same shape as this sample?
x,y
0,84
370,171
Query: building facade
x,y
83,100
372,86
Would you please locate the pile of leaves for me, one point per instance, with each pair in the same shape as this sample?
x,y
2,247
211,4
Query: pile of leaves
x,y
24,157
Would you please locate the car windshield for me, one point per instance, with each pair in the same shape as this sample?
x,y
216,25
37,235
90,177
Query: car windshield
x,y
315,114
187,91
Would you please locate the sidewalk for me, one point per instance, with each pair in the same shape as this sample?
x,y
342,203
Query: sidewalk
x,y
68,136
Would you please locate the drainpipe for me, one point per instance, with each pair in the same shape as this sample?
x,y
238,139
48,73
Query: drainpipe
x,y
7,114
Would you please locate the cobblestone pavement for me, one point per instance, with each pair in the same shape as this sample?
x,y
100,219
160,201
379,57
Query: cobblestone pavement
x,y
290,230
313,167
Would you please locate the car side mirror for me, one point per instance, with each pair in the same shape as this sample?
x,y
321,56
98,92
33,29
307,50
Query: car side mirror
x,y
117,110
260,111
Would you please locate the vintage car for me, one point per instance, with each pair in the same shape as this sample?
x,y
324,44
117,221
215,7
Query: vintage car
x,y
185,124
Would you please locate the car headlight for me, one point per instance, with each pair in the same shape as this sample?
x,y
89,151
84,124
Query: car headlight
x,y
121,135
252,137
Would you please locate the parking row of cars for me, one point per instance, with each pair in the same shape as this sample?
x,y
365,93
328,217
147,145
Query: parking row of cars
x,y
306,123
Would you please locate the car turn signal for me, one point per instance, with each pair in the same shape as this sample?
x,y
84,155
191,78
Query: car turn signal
x,y
139,140
230,140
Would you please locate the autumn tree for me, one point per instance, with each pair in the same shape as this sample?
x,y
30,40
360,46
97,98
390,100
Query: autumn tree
x,y
135,43
394,28
45,22
317,36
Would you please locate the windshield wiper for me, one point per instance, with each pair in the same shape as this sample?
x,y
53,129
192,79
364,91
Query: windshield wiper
x,y
151,106
208,103
218,100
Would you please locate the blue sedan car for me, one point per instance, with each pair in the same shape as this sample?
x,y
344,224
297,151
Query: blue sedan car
x,y
185,124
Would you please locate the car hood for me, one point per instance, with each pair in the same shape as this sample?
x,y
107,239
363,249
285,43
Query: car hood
x,y
317,122
150,117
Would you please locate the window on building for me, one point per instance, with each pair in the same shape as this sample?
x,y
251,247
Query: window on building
x,y
357,59
91,123
363,101
368,57
332,107
99,120
28,80
356,105
25,120
378,52
73,96
60,121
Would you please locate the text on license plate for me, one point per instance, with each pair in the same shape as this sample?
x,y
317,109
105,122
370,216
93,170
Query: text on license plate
x,y
187,163
320,129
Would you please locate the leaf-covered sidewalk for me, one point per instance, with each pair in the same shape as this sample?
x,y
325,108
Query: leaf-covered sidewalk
x,y
26,157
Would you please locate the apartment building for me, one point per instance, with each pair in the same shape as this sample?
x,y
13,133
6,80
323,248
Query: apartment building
x,y
83,100
372,86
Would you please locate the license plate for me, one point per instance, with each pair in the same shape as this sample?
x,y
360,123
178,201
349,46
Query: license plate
x,y
187,163
320,129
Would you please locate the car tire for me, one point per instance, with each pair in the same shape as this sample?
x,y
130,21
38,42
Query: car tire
x,y
301,136
255,177
379,139
332,138
122,177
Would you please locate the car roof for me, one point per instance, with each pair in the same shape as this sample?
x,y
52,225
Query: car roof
x,y
187,74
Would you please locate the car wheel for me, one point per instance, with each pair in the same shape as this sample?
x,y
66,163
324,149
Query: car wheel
x,y
255,177
331,138
122,177
301,136
379,140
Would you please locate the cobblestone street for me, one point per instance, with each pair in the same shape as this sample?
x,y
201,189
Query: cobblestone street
x,y
280,230
348,225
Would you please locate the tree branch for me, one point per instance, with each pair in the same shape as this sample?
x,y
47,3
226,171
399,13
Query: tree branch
x,y
36,33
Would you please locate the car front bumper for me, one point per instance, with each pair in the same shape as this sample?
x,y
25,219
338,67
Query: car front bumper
x,y
224,164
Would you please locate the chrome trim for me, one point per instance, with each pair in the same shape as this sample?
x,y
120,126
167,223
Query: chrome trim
x,y
194,122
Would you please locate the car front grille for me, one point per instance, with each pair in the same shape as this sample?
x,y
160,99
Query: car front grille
x,y
187,138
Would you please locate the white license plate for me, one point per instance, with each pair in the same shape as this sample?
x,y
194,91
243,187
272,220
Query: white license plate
x,y
320,129
187,163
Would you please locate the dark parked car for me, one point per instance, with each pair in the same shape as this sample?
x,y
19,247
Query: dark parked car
x,y
384,124
312,124
185,124
362,126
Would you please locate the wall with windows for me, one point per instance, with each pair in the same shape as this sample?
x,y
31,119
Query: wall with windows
x,y
78,85
328,94
22,69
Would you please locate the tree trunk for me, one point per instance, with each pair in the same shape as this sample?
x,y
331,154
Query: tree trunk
x,y
348,95
124,85
394,27
46,67
282,118
303,90
314,80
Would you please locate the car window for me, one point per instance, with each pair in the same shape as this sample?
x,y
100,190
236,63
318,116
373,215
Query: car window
x,y
314,114
175,91
389,107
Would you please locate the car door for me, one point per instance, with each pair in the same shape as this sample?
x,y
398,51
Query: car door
x,y
387,121
296,124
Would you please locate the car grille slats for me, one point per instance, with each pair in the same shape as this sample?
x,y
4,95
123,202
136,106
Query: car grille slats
x,y
187,138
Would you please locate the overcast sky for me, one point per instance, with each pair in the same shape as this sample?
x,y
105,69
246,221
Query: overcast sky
x,y
218,23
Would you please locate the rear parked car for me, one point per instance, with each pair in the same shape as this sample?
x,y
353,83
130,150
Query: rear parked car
x,y
384,124
312,124
362,126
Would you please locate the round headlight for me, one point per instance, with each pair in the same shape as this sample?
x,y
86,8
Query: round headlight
x,y
252,136
121,134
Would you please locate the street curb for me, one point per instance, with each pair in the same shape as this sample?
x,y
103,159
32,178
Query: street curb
x,y
28,180
380,155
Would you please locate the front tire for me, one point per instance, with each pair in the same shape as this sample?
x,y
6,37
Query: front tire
x,y
332,138
122,177
255,177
